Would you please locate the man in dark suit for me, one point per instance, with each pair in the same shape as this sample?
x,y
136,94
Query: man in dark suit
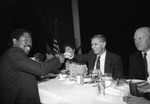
x,y
18,84
139,67
109,62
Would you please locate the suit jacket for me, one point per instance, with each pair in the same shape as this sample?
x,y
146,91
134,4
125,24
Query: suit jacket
x,y
113,63
18,84
137,67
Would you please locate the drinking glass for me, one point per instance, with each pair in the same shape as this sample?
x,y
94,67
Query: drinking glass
x,y
107,78
95,75
64,73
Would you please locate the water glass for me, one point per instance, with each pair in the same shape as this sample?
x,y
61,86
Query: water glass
x,y
107,78
95,75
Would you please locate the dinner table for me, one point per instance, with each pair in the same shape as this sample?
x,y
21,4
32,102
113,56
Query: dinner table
x,y
63,90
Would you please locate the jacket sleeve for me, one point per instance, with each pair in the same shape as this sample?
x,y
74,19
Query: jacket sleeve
x,y
118,68
20,61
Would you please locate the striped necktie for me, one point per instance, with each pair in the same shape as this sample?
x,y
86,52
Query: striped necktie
x,y
98,63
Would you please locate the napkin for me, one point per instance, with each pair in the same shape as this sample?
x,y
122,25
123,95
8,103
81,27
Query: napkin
x,y
118,90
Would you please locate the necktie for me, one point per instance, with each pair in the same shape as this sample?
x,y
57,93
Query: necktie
x,y
98,63
145,62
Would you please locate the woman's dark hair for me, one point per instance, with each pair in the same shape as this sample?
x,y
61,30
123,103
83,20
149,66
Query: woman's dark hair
x,y
69,45
17,34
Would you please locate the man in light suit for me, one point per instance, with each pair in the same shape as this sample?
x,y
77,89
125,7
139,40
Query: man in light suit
x,y
138,69
109,62
18,84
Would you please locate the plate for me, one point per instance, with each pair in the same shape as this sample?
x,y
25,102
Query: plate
x,y
88,81
138,81
135,80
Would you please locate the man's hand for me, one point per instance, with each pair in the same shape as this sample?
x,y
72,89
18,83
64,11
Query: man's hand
x,y
61,57
68,55
49,56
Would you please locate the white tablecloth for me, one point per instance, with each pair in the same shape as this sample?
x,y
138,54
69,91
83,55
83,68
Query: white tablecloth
x,y
56,91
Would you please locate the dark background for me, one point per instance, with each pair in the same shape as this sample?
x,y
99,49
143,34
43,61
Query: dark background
x,y
116,19
39,17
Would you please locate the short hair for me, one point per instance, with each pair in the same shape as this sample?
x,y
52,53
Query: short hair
x,y
100,36
148,29
145,28
17,34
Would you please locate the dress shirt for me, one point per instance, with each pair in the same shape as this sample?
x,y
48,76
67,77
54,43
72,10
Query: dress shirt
x,y
102,62
148,64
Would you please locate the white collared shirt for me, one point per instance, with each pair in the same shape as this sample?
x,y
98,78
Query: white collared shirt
x,y
102,62
148,64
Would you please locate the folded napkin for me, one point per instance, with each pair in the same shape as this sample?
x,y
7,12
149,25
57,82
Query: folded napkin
x,y
145,88
118,90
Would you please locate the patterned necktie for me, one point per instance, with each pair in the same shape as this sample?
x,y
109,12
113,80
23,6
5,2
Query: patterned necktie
x,y
146,67
98,63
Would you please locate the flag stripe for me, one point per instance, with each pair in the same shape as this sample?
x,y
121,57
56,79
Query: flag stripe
x,y
55,44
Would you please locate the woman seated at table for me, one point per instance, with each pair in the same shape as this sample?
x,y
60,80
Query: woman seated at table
x,y
73,67
68,48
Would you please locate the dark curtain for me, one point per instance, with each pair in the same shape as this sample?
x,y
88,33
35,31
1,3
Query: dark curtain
x,y
38,16
6,8
8,5
47,11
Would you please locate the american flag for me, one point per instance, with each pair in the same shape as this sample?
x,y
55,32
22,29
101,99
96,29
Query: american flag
x,y
48,49
55,44
55,40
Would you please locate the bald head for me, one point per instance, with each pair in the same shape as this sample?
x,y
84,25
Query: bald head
x,y
142,39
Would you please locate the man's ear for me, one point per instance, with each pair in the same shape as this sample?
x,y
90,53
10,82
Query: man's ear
x,y
14,41
104,44
74,50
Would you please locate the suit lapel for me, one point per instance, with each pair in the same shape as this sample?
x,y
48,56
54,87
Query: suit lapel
x,y
140,59
107,62
93,61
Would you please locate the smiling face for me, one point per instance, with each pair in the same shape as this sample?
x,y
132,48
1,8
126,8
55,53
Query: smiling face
x,y
98,46
142,39
24,42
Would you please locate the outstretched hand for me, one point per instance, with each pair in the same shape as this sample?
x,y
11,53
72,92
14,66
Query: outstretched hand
x,y
61,57
68,55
